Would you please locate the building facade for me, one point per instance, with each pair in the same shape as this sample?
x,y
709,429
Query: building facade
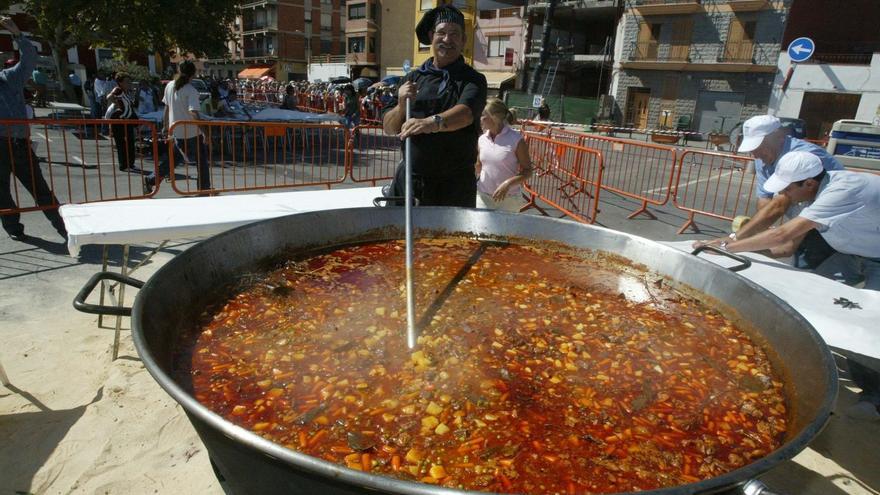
x,y
841,80
279,37
580,51
362,38
704,65
499,42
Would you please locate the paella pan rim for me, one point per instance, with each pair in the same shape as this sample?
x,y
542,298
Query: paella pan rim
x,y
336,472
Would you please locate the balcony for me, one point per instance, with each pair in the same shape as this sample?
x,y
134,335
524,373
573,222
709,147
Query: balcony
x,y
592,54
748,5
731,57
257,27
258,3
361,59
258,53
841,59
541,5
742,52
665,7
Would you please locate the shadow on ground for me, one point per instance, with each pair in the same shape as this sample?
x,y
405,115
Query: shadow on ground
x,y
29,438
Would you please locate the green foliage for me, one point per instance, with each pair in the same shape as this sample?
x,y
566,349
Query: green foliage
x,y
136,26
137,72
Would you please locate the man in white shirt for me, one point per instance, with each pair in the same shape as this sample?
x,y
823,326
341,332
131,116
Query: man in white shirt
x,y
844,207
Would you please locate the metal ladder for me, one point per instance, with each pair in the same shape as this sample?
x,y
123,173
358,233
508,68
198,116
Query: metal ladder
x,y
551,76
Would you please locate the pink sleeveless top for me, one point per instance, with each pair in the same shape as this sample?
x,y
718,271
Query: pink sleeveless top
x,y
498,158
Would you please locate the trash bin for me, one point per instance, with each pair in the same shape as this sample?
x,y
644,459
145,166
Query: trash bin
x,y
855,143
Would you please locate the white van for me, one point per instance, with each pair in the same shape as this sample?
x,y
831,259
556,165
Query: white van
x,y
855,143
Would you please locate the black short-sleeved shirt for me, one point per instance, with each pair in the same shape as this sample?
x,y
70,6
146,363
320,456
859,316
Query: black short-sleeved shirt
x,y
445,154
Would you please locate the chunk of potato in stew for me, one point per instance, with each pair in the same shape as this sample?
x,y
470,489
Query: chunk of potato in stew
x,y
545,370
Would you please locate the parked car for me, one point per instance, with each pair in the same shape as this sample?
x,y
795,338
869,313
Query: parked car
x,y
202,87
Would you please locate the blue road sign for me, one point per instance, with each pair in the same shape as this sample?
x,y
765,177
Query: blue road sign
x,y
406,66
801,49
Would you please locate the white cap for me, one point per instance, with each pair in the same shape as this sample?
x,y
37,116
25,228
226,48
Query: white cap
x,y
792,167
755,129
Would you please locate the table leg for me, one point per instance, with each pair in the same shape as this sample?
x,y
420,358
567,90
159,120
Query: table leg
x,y
121,302
4,380
103,284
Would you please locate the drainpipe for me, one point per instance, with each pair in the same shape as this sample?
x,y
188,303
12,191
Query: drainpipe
x,y
545,47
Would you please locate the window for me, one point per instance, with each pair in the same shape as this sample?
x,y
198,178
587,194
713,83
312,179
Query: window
x,y
498,45
326,23
326,47
358,11
427,4
509,12
356,45
373,11
372,44
487,14
307,15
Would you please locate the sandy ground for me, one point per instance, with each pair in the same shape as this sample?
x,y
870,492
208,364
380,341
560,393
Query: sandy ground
x,y
73,421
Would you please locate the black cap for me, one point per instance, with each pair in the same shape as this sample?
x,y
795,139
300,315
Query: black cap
x,y
441,14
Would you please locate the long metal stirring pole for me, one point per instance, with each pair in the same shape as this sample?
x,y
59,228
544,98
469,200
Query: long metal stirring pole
x,y
410,296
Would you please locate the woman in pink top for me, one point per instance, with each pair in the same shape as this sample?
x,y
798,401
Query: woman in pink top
x,y
503,163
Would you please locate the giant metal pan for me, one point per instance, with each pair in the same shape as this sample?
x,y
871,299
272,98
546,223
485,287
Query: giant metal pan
x,y
177,293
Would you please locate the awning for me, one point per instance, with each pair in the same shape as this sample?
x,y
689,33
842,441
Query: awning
x,y
254,73
495,79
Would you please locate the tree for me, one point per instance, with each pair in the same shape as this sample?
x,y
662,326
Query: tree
x,y
201,27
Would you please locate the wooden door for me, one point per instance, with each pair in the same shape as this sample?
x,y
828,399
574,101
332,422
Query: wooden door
x,y
740,41
681,39
637,107
649,36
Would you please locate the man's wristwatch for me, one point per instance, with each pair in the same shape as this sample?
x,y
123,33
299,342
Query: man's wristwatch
x,y
438,119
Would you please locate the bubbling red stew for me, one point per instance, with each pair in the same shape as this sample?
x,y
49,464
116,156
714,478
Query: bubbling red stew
x,y
544,371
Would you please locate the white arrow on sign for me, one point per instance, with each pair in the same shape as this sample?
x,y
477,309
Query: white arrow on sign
x,y
801,49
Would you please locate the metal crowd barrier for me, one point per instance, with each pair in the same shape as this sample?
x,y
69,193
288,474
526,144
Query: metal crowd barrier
x,y
248,156
566,176
641,171
372,155
78,161
715,185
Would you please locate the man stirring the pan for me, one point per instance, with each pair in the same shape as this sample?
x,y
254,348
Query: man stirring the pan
x,y
447,97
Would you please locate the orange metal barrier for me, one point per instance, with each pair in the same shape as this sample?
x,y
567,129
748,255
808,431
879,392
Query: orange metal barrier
x,y
372,155
247,156
641,171
78,161
714,184
566,176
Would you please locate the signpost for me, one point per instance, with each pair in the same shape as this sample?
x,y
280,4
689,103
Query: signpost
x,y
801,49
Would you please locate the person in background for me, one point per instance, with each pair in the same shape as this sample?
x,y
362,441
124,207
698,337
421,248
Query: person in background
x,y
289,101
77,84
122,109
503,163
447,98
104,84
181,104
544,112
351,107
16,153
146,98
40,81
768,142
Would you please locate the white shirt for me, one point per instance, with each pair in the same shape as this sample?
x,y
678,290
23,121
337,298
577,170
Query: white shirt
x,y
847,208
180,103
